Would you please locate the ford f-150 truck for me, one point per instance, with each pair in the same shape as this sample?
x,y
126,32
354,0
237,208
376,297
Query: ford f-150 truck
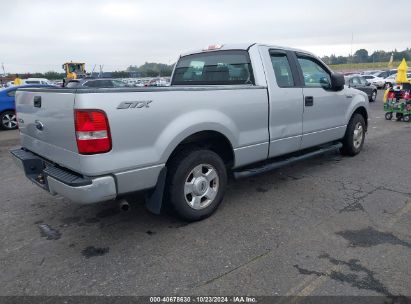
x,y
231,110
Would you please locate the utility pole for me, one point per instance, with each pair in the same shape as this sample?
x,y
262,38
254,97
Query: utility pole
x,y
352,40
4,71
101,70
92,72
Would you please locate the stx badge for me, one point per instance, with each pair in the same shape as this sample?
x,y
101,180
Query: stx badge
x,y
134,104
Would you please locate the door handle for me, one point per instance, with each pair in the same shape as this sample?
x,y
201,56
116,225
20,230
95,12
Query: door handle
x,y
309,101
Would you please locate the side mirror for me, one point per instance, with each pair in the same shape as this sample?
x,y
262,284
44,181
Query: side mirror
x,y
337,81
368,84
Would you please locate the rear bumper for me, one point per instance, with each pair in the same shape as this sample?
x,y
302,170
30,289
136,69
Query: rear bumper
x,y
101,189
56,180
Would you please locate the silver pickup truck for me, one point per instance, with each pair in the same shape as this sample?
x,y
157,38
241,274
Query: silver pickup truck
x,y
231,110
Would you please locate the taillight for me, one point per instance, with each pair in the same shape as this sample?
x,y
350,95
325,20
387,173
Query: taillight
x,y
92,131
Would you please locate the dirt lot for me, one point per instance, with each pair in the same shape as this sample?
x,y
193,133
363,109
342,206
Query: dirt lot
x,y
328,226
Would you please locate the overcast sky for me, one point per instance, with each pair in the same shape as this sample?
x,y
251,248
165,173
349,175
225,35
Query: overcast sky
x,y
41,35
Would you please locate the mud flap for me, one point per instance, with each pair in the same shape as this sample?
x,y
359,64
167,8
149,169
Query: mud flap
x,y
154,199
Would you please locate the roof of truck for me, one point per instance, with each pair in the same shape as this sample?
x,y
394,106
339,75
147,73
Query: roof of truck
x,y
239,46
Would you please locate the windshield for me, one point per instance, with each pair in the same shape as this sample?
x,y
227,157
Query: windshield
x,y
214,68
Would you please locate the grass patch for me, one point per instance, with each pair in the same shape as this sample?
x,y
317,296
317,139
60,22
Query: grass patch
x,y
346,67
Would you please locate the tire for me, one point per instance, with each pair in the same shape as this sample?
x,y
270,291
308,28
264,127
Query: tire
x,y
196,183
388,115
406,118
373,96
8,120
353,140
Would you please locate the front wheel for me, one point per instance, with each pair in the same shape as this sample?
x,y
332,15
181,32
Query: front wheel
x,y
8,120
196,183
353,140
406,118
388,115
373,96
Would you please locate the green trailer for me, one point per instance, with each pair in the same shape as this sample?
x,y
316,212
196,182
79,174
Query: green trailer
x,y
400,104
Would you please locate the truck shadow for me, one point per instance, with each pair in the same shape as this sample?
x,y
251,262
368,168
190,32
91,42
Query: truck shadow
x,y
106,223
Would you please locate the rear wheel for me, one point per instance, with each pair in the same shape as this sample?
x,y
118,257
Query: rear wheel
x,y
406,118
8,120
196,183
353,140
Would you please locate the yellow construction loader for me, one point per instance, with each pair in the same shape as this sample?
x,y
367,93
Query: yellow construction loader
x,y
74,70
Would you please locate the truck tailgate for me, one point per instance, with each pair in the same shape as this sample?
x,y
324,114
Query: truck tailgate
x,y
46,123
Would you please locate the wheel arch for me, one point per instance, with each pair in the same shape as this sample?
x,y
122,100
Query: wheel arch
x,y
210,139
5,110
363,112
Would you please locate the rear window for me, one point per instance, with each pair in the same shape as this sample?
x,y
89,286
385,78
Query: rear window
x,y
214,68
98,84
72,84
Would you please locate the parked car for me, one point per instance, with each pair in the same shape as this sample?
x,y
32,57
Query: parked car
x,y
37,81
374,80
384,74
369,72
389,82
157,82
243,109
7,106
139,83
360,83
96,83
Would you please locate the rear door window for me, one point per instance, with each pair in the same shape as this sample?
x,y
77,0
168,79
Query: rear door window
x,y
214,68
282,70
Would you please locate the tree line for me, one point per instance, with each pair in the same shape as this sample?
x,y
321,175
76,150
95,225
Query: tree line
x,y
152,69
148,69
362,56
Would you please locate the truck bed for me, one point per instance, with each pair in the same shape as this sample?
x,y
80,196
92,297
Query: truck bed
x,y
143,137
